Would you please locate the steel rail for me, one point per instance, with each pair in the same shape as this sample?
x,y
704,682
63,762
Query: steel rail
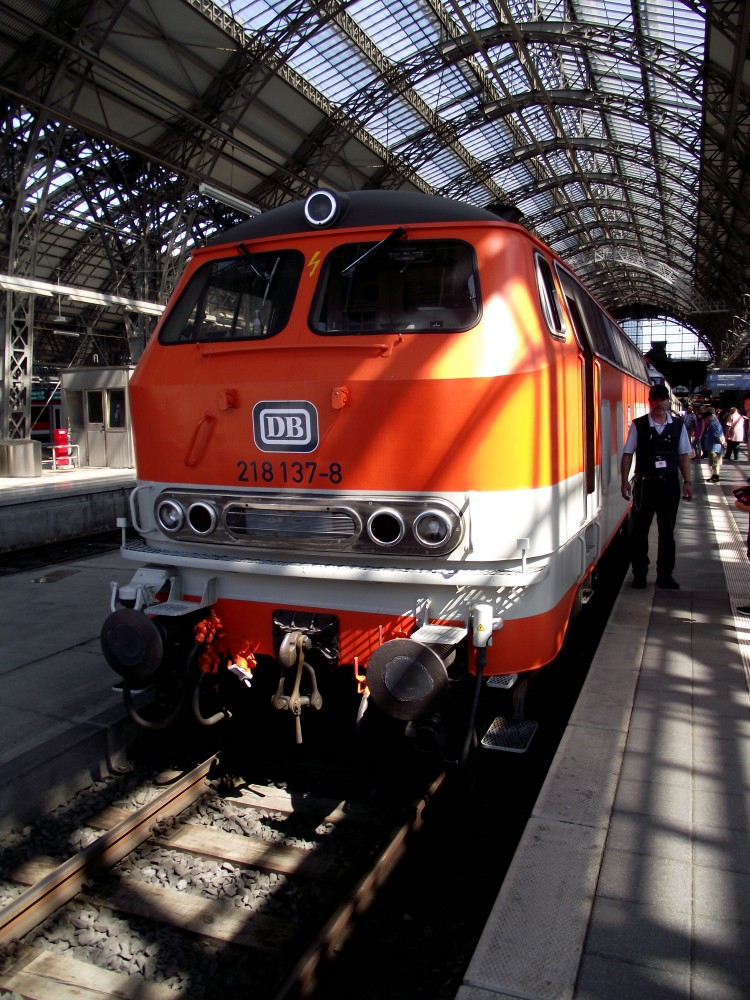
x,y
37,902
301,981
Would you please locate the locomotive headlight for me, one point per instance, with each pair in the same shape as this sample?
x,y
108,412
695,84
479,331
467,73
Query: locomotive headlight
x,y
386,527
432,528
323,208
202,517
170,516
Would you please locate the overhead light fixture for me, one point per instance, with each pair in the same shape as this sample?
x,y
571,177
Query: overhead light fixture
x,y
147,308
228,199
12,283
30,286
60,320
93,298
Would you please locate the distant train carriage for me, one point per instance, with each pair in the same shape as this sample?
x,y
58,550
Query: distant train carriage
x,y
46,412
377,435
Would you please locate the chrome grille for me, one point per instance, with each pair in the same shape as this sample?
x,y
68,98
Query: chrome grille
x,y
390,525
249,524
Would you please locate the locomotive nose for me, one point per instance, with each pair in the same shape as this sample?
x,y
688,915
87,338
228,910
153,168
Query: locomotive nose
x,y
133,645
405,678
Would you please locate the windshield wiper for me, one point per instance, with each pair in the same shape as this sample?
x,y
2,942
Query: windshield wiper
x,y
397,234
253,266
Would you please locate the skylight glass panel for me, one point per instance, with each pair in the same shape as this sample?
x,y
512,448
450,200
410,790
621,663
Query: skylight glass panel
x,y
448,87
488,141
576,256
554,232
478,194
513,79
445,166
575,191
626,130
480,14
458,113
546,64
435,176
537,206
523,10
617,13
553,10
672,23
257,12
512,176
331,64
537,121
437,87
573,66
396,124
418,29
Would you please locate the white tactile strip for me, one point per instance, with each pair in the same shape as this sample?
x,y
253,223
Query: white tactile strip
x,y
733,552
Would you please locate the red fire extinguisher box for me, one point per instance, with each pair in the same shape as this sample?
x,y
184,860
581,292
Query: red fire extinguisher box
x,y
61,439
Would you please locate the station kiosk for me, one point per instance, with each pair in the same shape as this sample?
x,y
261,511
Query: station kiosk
x,y
96,417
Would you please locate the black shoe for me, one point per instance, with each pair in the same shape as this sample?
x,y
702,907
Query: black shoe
x,y
639,582
667,583
743,609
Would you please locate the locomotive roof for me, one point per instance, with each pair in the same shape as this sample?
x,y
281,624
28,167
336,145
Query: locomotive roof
x,y
360,208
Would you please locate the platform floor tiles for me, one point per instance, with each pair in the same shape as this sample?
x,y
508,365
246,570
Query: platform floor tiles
x,y
632,878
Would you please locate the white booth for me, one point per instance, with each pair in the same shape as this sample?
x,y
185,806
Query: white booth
x,y
96,411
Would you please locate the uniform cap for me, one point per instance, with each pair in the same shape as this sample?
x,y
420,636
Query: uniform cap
x,y
658,392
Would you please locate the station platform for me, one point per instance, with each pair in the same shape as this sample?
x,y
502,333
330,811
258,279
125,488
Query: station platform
x,y
632,877
61,504
60,722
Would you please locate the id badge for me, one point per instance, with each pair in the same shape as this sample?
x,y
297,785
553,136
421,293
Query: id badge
x,y
660,463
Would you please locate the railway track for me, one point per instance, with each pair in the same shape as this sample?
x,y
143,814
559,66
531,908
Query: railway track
x,y
23,560
197,893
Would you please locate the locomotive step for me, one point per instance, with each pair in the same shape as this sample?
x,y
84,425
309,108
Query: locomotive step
x,y
439,634
502,682
512,735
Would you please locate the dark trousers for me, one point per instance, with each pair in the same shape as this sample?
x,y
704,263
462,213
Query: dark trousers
x,y
660,496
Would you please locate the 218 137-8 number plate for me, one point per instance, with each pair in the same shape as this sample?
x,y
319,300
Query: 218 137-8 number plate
x,y
290,473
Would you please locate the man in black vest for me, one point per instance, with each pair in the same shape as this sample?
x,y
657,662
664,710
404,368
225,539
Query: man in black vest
x,y
662,450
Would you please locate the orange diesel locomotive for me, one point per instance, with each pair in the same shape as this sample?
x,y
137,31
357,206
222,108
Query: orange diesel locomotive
x,y
377,434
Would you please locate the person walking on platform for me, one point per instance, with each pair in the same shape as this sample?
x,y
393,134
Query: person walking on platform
x,y
690,419
735,433
714,442
662,450
698,429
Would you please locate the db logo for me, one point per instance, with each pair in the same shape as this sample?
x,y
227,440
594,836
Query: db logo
x,y
285,425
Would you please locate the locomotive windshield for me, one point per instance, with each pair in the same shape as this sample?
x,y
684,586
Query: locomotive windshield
x,y
427,286
246,297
